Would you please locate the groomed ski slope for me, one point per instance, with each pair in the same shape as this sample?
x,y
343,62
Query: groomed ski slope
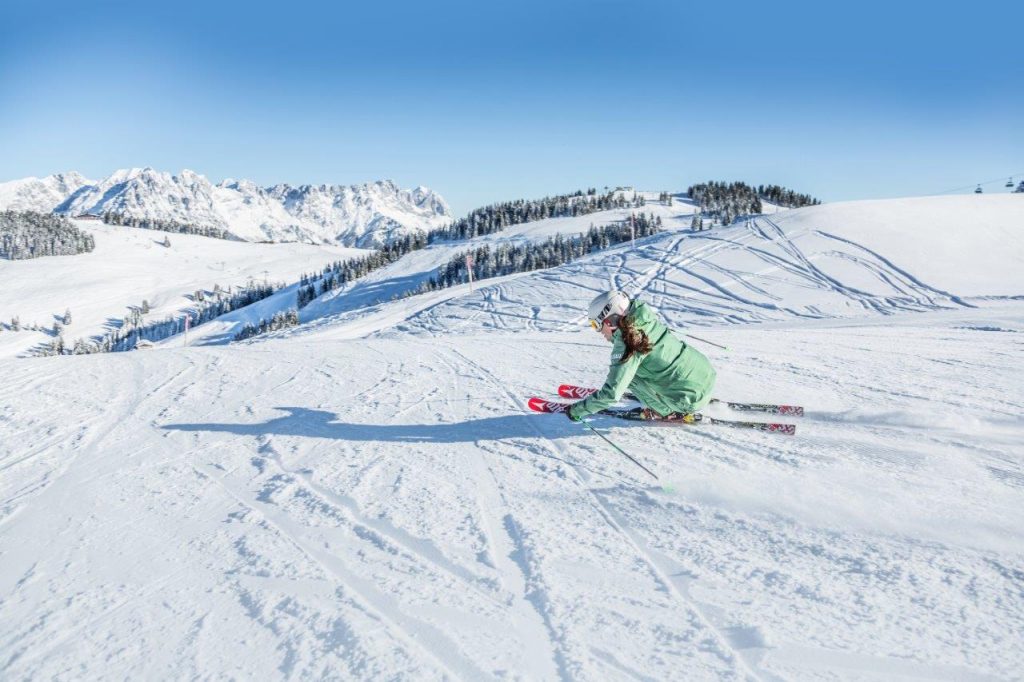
x,y
345,501
386,507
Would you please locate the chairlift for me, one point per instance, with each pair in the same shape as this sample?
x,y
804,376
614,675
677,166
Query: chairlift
x,y
978,190
1009,183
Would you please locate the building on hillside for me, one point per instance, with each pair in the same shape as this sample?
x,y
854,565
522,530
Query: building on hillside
x,y
88,216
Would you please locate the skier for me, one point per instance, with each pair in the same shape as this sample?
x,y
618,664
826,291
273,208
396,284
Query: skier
x,y
670,378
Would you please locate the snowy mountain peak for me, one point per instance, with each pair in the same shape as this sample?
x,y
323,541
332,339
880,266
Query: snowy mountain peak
x,y
71,179
40,194
144,175
363,215
240,185
366,215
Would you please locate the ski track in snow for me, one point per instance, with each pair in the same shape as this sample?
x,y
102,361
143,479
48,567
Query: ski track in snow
x,y
712,277
714,644
390,507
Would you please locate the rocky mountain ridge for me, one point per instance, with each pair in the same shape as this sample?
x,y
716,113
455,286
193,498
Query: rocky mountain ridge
x,y
367,215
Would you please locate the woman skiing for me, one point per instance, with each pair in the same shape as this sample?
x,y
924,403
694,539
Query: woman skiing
x,y
669,377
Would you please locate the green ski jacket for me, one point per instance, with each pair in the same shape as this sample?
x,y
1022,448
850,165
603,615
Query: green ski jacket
x,y
673,377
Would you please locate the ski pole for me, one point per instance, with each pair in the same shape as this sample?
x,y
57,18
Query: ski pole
x,y
620,450
697,338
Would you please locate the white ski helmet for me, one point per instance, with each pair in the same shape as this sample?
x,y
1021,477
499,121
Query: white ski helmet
x,y
611,303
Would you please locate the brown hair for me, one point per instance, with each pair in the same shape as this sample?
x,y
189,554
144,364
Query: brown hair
x,y
635,339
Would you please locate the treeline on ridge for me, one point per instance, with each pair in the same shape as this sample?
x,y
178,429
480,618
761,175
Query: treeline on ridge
x,y
28,234
167,225
497,217
508,258
725,201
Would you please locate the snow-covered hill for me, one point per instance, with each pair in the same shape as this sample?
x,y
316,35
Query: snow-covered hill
x,y
129,266
831,261
366,496
360,216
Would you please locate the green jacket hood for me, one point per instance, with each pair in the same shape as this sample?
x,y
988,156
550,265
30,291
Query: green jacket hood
x,y
642,316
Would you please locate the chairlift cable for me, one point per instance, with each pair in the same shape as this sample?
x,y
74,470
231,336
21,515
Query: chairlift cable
x,y
975,184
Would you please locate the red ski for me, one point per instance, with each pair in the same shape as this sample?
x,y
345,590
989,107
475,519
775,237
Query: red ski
x,y
638,414
581,392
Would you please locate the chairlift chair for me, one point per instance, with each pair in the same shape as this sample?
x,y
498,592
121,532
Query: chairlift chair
x,y
1009,183
978,190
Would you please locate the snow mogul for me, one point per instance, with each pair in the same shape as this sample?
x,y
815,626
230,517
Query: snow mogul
x,y
670,378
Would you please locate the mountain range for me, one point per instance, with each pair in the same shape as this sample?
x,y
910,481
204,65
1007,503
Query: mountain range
x,y
366,216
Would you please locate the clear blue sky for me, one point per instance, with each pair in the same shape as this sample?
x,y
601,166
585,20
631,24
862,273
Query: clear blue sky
x,y
486,101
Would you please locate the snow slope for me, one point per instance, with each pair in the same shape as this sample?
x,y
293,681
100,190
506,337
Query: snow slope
x,y
385,507
130,265
407,274
368,497
816,263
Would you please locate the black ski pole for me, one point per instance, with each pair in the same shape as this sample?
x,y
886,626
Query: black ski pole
x,y
620,450
697,338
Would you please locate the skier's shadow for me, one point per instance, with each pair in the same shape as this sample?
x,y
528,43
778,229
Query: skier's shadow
x,y
300,421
